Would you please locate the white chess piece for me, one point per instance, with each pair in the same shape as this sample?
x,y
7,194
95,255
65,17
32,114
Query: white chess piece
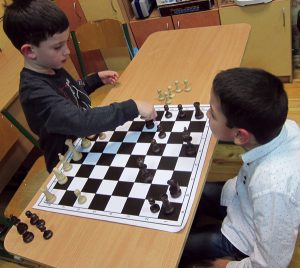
x,y
177,87
168,100
80,198
102,136
170,92
85,143
76,156
61,178
66,165
50,198
187,88
161,96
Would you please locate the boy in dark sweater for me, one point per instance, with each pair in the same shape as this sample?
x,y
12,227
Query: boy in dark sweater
x,y
55,105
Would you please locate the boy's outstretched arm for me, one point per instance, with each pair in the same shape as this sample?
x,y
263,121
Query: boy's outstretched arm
x,y
146,110
108,77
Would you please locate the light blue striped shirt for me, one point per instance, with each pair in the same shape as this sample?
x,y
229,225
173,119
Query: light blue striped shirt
x,y
263,202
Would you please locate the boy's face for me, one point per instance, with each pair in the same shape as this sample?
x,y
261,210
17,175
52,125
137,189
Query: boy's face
x,y
53,52
217,120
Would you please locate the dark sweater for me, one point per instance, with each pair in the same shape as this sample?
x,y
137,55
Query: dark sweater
x,y
57,107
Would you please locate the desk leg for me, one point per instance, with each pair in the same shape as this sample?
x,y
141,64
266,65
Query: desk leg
x,y
23,130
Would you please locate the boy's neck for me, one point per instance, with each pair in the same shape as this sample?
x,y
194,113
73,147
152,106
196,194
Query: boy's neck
x,y
37,68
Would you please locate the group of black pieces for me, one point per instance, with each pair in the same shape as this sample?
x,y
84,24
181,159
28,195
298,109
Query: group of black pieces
x,y
22,227
147,175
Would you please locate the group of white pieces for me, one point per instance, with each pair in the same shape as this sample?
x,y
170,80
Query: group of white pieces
x,y
67,166
168,95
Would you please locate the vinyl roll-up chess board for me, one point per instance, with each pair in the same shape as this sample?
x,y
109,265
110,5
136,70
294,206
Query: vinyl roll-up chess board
x,y
109,177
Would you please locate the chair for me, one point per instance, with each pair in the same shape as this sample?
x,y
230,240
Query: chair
x,y
102,45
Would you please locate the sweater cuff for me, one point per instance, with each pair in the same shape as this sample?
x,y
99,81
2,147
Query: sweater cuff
x,y
130,109
92,82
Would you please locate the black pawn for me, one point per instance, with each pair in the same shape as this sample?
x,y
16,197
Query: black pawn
x,y
181,113
28,237
154,207
155,148
147,175
168,114
149,124
34,219
14,220
161,133
174,189
198,113
28,214
190,149
47,234
186,135
166,207
22,228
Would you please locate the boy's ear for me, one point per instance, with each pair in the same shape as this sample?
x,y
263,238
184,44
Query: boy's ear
x,y
28,51
242,136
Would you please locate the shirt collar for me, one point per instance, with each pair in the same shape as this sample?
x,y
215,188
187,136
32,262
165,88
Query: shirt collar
x,y
264,149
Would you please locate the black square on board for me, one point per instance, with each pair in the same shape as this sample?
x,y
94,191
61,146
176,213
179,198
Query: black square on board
x,y
183,177
175,138
68,199
99,202
133,206
126,148
63,186
156,191
113,173
159,115
98,147
85,171
188,116
81,160
122,188
137,126
106,159
174,215
167,163
133,159
146,137
118,136
167,126
91,186
196,126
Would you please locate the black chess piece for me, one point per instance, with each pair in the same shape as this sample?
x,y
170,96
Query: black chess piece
x,y
186,135
181,113
198,113
153,206
174,189
168,114
147,175
161,133
47,234
149,124
34,218
190,149
22,228
28,213
166,207
28,237
155,148
14,220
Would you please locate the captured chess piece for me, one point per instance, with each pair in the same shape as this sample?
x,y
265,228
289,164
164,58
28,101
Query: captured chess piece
x,y
66,165
198,113
146,174
174,189
161,95
168,100
39,223
85,143
80,198
149,124
166,207
155,147
181,113
187,87
153,206
170,92
177,88
22,229
161,133
61,178
168,114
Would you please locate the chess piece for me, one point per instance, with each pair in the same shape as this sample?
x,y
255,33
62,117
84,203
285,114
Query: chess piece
x,y
76,156
170,92
190,149
187,88
85,143
28,237
161,96
181,113
174,188
22,228
154,208
149,124
146,174
91,137
80,198
168,100
166,207
66,165
177,88
186,135
47,234
102,136
198,113
50,198
161,133
168,114
34,218
61,178
155,148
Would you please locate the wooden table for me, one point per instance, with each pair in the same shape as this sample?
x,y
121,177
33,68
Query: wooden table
x,y
193,54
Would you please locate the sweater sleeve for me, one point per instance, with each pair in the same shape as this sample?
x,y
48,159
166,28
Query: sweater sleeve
x,y
91,83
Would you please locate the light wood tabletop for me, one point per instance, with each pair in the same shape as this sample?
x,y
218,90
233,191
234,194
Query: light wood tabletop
x,y
194,54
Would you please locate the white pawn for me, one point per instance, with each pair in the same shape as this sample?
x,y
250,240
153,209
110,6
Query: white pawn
x,y
66,165
170,92
76,156
85,143
161,96
177,88
168,100
80,198
102,136
187,88
61,178
50,198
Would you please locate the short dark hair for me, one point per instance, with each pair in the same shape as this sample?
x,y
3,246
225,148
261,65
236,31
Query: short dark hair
x,y
252,99
33,21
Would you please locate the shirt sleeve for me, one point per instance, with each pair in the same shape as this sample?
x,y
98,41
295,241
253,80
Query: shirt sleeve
x,y
275,233
91,83
228,192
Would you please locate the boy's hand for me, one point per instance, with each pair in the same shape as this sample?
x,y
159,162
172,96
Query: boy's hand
x,y
146,110
108,77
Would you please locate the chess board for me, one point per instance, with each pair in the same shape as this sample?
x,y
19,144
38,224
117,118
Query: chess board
x,y
109,177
